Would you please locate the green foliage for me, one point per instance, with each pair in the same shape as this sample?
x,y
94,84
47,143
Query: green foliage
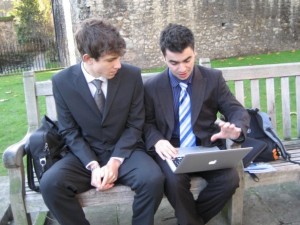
x,y
31,22
6,18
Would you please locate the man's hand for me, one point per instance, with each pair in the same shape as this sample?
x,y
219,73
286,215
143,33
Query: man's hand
x,y
165,150
103,178
228,130
110,174
96,178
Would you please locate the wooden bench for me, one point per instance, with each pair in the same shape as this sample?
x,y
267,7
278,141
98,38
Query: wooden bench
x,y
24,202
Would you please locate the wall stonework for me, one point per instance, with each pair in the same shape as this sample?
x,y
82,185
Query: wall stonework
x,y
8,35
222,28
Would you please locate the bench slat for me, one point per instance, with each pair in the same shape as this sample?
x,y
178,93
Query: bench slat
x,y
34,201
286,108
271,107
260,71
297,85
284,173
255,99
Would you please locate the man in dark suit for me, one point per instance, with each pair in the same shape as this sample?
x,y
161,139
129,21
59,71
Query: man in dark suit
x,y
167,126
103,135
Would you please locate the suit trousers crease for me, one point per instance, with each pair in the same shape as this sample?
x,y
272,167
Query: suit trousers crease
x,y
221,184
69,177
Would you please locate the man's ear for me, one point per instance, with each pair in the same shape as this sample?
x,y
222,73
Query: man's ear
x,y
87,59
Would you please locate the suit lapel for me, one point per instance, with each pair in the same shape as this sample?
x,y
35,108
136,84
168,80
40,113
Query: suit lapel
x,y
83,88
112,87
165,98
198,89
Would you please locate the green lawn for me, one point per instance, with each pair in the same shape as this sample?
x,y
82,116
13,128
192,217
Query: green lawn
x,y
270,58
12,110
12,106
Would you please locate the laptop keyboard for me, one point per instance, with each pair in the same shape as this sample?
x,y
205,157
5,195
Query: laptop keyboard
x,y
177,160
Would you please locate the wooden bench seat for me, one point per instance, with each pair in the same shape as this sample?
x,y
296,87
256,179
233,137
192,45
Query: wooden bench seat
x,y
285,171
121,194
24,201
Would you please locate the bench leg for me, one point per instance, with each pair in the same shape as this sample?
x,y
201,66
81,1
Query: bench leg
x,y
16,189
236,204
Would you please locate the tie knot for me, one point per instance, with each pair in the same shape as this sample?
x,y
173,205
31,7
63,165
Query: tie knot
x,y
183,86
97,83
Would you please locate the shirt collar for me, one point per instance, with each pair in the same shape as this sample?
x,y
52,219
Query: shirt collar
x,y
89,78
175,81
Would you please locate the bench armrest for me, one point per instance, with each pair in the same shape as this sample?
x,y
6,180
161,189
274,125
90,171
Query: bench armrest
x,y
13,155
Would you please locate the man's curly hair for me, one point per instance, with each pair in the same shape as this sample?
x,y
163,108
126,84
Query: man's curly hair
x,y
176,38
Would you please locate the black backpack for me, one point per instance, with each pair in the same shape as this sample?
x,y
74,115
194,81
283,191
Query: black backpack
x,y
261,129
44,147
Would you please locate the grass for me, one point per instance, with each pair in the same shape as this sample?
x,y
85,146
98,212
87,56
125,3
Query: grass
x,y
12,110
12,106
269,58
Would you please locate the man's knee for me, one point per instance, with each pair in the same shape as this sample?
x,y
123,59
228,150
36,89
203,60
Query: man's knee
x,y
50,182
232,180
155,178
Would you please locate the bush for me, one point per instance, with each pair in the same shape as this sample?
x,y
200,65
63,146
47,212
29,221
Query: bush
x,y
6,18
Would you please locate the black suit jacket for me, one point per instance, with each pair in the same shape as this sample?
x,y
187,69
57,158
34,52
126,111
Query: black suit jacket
x,y
89,135
210,95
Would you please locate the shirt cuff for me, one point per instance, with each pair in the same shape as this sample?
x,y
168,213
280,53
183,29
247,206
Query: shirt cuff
x,y
118,158
240,139
92,165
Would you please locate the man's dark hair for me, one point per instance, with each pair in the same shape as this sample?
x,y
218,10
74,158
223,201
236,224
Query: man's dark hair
x,y
176,38
97,38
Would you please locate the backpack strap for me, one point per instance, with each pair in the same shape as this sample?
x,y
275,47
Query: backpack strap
x,y
270,132
30,174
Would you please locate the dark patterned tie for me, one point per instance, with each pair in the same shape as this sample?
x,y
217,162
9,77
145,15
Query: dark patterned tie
x,y
99,96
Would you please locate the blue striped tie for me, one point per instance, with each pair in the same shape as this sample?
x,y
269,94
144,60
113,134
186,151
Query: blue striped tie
x,y
187,137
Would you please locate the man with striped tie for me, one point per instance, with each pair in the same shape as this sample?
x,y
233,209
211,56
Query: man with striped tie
x,y
182,104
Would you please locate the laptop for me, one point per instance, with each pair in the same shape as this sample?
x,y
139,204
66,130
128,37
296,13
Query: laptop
x,y
198,158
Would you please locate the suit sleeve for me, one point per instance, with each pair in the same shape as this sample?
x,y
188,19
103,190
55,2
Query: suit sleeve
x,y
231,108
151,133
131,136
69,128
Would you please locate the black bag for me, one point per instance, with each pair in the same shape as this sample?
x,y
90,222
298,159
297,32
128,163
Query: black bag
x,y
44,147
261,129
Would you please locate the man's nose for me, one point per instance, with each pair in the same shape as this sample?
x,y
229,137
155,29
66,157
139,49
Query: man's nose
x,y
117,64
181,67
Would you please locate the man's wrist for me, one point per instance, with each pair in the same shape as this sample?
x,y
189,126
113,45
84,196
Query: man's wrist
x,y
121,160
240,139
93,165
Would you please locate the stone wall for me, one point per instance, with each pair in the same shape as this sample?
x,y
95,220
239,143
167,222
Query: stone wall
x,y
8,35
223,28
